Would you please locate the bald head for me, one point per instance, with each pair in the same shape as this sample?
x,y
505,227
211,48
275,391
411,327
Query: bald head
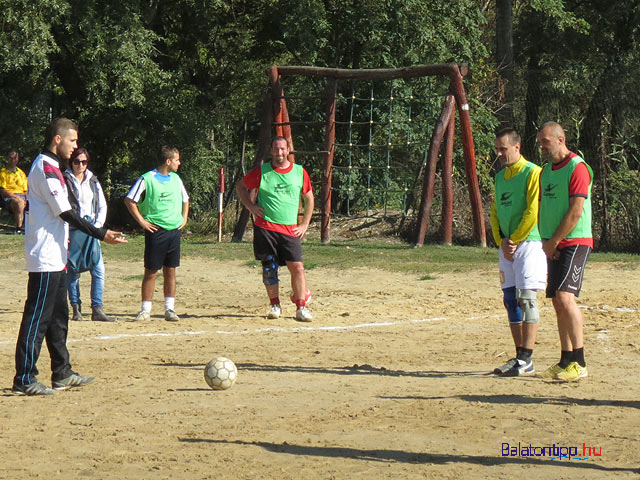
x,y
554,128
551,139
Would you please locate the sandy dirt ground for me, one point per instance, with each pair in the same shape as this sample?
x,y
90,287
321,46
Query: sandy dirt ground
x,y
389,381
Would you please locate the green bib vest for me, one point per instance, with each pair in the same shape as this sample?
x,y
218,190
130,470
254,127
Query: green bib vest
x,y
511,201
279,194
162,203
554,203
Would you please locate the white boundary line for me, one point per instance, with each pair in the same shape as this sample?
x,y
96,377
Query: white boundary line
x,y
326,328
248,332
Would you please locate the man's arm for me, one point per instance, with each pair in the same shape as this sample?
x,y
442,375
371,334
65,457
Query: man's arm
x,y
137,216
76,221
568,223
309,204
185,214
245,198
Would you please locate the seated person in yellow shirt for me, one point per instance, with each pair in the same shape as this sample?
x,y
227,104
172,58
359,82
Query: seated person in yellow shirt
x,y
13,189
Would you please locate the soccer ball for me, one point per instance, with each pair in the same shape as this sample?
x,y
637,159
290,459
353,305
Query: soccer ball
x,y
220,373
307,296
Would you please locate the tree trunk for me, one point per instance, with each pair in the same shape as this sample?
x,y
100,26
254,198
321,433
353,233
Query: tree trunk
x,y
504,59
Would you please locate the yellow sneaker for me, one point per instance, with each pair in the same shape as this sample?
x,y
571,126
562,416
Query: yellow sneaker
x,y
551,372
573,372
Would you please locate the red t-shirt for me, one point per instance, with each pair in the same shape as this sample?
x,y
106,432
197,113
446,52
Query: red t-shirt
x,y
578,187
252,181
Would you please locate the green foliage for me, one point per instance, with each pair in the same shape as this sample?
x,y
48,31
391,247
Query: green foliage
x,y
136,75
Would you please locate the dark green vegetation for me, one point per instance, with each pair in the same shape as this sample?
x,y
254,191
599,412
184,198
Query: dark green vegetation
x,y
137,74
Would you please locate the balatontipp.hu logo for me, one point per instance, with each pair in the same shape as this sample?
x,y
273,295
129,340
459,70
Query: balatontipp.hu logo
x,y
553,452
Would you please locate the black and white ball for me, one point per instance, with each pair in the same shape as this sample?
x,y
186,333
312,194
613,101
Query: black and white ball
x,y
220,373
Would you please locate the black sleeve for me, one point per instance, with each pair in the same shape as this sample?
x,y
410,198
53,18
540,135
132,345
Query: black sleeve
x,y
76,221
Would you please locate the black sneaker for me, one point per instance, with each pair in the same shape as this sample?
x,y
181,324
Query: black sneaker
x,y
19,231
73,380
506,367
35,388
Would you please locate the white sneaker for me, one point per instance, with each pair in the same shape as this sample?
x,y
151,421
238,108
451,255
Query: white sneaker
x,y
142,317
303,315
274,312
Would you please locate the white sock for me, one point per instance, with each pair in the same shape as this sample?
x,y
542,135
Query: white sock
x,y
146,306
169,303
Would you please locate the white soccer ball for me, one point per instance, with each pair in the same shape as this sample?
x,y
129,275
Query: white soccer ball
x,y
220,373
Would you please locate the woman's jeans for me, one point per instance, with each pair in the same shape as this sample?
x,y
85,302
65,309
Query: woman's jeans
x,y
97,285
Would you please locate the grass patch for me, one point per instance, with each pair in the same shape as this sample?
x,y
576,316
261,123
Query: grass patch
x,y
425,262
427,277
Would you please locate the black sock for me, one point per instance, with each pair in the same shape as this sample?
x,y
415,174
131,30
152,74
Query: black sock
x,y
525,354
566,358
578,356
518,349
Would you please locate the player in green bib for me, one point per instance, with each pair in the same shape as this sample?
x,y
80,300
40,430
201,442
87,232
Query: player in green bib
x,y
280,185
565,228
522,264
159,202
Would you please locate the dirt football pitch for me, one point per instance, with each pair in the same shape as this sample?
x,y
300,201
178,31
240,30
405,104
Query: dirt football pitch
x,y
390,381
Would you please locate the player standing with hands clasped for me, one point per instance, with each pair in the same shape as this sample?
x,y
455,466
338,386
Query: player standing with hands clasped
x,y
565,227
276,234
159,202
47,220
522,263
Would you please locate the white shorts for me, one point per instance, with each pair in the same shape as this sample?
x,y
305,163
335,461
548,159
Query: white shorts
x,y
528,269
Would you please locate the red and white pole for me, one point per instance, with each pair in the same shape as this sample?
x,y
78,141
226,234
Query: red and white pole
x,y
220,206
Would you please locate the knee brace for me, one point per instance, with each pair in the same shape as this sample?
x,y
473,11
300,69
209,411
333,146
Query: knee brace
x,y
528,302
511,304
270,271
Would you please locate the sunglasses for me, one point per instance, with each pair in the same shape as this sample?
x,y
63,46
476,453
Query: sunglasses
x,y
81,162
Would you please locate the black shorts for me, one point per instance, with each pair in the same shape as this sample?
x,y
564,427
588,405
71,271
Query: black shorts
x,y
161,249
565,274
6,202
284,248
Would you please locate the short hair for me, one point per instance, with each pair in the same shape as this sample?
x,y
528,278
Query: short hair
x,y
77,152
59,126
512,133
167,153
555,128
278,138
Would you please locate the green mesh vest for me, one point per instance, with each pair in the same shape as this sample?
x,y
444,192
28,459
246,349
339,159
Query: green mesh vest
x,y
511,201
554,203
279,194
162,203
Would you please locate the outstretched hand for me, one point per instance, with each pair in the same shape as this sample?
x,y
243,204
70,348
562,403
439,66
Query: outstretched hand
x,y
114,237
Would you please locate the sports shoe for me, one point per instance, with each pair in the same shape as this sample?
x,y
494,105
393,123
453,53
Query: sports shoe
x,y
522,367
551,372
98,315
506,367
274,312
303,315
142,317
573,372
73,380
35,388
171,316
